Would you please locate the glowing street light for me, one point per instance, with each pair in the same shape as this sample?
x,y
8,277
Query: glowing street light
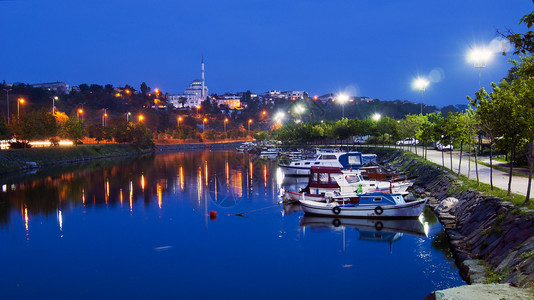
x,y
54,104
342,98
279,116
128,117
203,123
198,109
249,122
479,57
141,117
104,116
225,133
80,111
179,120
20,101
420,84
376,117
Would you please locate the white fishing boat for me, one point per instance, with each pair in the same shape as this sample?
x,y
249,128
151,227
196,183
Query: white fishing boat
x,y
368,205
333,159
329,182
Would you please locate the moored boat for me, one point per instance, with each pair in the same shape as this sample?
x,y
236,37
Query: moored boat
x,y
368,205
334,159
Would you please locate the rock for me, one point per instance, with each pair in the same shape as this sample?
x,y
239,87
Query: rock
x,y
482,292
473,270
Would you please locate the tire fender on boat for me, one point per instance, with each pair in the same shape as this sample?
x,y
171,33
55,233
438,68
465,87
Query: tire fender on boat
x,y
379,226
336,222
379,210
336,210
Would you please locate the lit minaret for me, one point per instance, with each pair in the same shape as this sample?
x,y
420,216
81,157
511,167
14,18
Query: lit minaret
x,y
202,92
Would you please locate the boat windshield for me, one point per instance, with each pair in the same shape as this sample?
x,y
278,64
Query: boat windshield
x,y
328,156
352,178
323,177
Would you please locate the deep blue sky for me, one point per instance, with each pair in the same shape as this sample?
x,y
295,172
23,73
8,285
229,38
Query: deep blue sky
x,y
372,48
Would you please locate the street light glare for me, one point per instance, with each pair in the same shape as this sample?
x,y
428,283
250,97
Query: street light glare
x,y
342,98
420,83
479,57
377,116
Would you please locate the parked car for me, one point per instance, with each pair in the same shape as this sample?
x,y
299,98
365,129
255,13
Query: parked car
x,y
440,147
408,141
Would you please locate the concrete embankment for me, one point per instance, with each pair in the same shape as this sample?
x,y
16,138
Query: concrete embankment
x,y
492,240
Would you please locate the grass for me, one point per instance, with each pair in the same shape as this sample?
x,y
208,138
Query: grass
x,y
494,276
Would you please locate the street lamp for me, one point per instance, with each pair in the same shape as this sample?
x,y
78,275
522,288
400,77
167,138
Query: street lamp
x,y
53,104
7,102
179,120
342,98
420,84
104,116
80,111
376,117
479,57
198,109
128,117
203,123
20,101
225,133
249,122
279,117
141,118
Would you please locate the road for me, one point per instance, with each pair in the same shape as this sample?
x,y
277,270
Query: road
x,y
500,178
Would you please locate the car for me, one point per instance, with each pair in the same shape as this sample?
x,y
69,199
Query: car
x,y
440,147
408,141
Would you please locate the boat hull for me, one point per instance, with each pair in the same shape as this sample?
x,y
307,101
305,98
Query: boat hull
x,y
406,210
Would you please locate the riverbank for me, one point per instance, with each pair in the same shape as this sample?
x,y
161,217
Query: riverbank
x,y
492,240
35,158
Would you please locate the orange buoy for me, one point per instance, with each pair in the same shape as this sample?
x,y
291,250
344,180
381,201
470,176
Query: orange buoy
x,y
213,215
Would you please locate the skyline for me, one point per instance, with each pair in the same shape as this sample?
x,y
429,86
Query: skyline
x,y
320,47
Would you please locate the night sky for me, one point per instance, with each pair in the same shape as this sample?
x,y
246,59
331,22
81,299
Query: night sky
x,y
368,48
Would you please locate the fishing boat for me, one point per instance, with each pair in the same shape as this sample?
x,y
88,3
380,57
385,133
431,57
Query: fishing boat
x,y
330,159
368,205
329,182
411,226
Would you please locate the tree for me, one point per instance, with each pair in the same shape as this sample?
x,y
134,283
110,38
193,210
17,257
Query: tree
x,y
73,129
523,42
35,125
144,89
5,131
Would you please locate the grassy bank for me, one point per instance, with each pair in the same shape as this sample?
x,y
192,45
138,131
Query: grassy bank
x,y
20,159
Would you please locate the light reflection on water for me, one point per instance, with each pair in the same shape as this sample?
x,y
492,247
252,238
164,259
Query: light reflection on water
x,y
162,242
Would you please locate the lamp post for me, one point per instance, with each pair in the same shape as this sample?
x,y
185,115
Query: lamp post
x,y
141,117
54,104
7,102
342,98
203,123
179,120
104,118
225,133
20,101
420,84
249,122
80,112
479,57
128,117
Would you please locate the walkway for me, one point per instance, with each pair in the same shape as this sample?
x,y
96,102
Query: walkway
x,y
500,178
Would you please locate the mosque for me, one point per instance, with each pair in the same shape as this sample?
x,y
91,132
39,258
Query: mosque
x,y
196,92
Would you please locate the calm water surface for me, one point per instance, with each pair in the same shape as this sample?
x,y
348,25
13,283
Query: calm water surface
x,y
142,229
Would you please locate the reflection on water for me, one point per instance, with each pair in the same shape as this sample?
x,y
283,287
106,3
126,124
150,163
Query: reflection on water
x,y
142,229
223,179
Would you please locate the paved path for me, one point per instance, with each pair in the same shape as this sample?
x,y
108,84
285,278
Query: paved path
x,y
500,178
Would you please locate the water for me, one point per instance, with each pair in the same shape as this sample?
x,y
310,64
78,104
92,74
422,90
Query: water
x,y
142,229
